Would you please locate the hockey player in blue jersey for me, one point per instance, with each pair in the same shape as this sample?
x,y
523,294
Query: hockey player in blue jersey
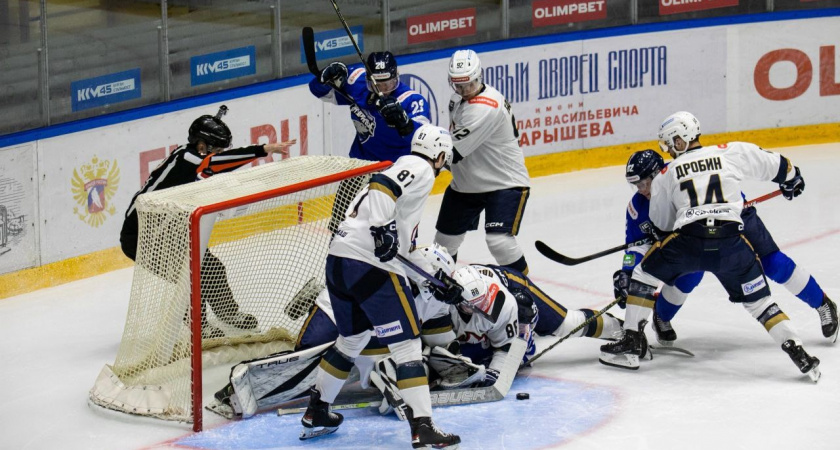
x,y
641,168
384,125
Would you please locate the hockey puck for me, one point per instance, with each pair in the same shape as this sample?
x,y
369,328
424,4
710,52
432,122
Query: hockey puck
x,y
522,396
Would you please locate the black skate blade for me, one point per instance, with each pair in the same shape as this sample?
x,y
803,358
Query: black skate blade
x,y
622,361
670,349
309,433
439,447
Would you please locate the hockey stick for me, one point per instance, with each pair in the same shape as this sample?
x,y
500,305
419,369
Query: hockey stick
x,y
553,255
764,197
358,50
361,405
308,36
575,330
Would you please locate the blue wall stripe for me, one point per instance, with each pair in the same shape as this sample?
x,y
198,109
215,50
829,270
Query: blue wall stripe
x,y
273,85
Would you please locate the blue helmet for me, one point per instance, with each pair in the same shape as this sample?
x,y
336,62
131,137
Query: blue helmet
x,y
383,70
642,165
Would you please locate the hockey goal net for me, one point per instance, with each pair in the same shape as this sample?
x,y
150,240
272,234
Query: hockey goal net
x,y
228,265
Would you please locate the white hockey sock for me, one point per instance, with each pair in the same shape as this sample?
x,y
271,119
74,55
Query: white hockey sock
x,y
328,385
774,320
610,327
633,314
797,281
573,319
418,399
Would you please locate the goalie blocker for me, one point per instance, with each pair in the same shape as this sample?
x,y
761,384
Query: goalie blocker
x,y
266,383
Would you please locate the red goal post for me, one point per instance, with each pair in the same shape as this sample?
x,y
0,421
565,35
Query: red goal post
x,y
244,243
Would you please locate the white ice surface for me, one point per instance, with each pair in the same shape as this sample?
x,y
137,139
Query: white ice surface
x,y
740,391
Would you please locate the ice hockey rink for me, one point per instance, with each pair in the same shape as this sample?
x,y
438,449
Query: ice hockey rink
x,y
740,391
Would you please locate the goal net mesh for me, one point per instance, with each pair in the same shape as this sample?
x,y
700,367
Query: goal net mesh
x,y
262,266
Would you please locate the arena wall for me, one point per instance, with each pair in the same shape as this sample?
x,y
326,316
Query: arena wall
x,y
581,100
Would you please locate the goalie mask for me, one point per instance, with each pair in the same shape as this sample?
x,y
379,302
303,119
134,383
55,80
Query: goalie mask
x,y
481,294
681,125
383,72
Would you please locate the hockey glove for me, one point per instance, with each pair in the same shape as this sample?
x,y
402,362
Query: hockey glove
x,y
386,241
621,282
450,293
334,75
794,186
394,115
490,378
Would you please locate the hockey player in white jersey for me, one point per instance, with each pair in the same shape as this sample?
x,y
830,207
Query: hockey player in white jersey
x,y
369,290
696,204
488,172
487,319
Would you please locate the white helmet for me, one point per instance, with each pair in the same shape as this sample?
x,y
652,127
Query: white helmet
x,y
430,141
438,258
479,295
465,73
682,124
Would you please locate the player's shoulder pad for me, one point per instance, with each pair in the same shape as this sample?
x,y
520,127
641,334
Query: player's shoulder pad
x,y
355,74
386,185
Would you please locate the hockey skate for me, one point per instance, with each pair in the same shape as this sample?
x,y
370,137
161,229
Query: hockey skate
x,y
210,331
241,320
625,352
318,420
424,434
807,364
828,318
665,333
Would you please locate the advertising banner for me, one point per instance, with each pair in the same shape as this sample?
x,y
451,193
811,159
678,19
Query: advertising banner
x,y
556,12
784,74
105,90
603,92
225,65
18,208
441,26
333,44
667,7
